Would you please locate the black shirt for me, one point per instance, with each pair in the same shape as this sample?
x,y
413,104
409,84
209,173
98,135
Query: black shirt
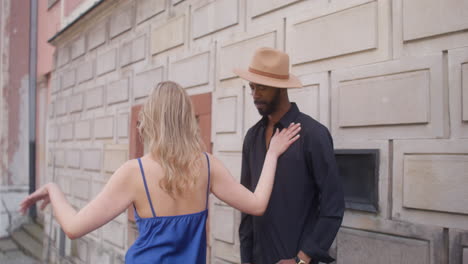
x,y
307,203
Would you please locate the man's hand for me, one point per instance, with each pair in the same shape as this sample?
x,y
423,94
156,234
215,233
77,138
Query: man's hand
x,y
286,261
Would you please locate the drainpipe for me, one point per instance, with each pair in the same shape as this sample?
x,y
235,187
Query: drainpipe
x,y
32,100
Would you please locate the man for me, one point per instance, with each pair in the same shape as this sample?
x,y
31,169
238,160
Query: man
x,y
307,203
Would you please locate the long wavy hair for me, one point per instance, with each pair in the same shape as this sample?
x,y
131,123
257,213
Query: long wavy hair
x,y
167,120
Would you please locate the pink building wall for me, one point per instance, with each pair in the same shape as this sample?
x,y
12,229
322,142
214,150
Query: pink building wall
x,y
48,26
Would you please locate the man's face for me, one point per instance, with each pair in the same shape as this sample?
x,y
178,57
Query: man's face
x,y
266,98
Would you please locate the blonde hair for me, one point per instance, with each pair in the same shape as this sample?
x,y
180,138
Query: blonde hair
x,y
168,121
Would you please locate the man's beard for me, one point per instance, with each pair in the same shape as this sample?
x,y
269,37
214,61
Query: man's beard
x,y
269,107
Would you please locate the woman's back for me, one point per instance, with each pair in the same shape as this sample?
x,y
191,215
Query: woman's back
x,y
170,229
192,201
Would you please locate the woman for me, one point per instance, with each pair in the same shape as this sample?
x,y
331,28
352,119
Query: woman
x,y
168,186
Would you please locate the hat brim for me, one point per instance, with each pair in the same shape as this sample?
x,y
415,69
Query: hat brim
x,y
292,82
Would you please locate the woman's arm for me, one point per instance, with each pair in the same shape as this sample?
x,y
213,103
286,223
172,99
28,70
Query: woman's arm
x,y
226,188
116,196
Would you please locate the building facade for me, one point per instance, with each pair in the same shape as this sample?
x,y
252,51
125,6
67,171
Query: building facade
x,y
387,77
14,108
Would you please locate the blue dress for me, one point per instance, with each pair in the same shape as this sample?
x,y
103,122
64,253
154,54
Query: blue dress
x,y
170,239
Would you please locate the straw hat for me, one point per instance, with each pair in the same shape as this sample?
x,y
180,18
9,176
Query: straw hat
x,y
270,67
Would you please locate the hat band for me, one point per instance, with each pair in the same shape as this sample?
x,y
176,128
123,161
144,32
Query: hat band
x,y
267,74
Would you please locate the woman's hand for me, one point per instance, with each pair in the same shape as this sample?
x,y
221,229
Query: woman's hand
x,y
281,140
40,194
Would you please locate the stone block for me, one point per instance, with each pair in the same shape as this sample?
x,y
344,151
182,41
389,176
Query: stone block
x,y
458,241
436,170
110,235
4,222
106,62
53,133
226,115
359,33
192,71
119,259
91,159
214,16
421,18
307,99
59,158
66,132
81,188
51,110
55,83
225,253
313,98
133,51
139,48
458,92
63,55
95,97
125,54
121,21
122,125
97,36
465,92
81,249
78,47
113,159
348,31
75,103
146,9
117,92
68,79
73,158
223,219
174,32
360,247
260,7
83,129
386,100
229,54
60,107
395,99
233,162
96,188
429,178
65,184
104,127
145,81
98,255
228,141
85,71
429,35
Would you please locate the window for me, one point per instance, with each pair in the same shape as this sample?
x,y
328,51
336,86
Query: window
x,y
359,170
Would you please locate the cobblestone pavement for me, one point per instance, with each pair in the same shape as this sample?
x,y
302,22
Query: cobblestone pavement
x,y
11,254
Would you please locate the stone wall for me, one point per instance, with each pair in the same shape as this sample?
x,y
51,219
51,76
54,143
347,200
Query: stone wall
x,y
385,75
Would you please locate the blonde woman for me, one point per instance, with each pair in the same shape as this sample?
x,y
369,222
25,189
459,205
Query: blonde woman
x,y
168,187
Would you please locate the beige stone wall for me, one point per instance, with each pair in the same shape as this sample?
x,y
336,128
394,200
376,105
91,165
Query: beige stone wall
x,y
386,75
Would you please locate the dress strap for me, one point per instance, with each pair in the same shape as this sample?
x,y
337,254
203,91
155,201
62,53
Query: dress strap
x,y
208,187
146,187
